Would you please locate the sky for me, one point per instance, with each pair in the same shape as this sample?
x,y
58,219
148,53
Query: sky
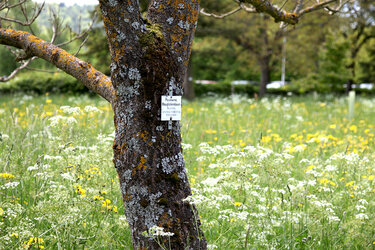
x,y
70,2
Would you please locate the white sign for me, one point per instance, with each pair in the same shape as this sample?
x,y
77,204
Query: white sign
x,y
170,108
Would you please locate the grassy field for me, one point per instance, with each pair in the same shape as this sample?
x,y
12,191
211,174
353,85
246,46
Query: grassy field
x,y
275,173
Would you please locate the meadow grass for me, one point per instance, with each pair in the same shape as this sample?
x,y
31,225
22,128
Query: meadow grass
x,y
273,173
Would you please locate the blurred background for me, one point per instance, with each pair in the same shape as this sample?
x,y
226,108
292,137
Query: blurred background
x,y
238,54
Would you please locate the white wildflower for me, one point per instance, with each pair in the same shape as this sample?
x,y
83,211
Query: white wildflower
x,y
333,218
92,109
211,181
4,136
363,202
211,246
55,120
361,216
67,176
213,166
158,231
300,148
71,110
186,146
10,185
360,208
31,168
71,120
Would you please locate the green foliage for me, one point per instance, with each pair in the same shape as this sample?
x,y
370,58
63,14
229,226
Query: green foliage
x,y
368,65
225,88
331,72
332,68
311,83
7,62
41,82
219,59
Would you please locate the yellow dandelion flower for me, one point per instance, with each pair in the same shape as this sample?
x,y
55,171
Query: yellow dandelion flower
x,y
98,197
350,183
36,242
309,168
106,203
353,128
238,204
80,190
6,175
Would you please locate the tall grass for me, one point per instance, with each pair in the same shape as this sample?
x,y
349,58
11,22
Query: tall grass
x,y
275,173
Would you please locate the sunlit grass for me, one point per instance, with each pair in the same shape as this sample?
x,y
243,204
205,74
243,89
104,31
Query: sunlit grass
x,y
270,173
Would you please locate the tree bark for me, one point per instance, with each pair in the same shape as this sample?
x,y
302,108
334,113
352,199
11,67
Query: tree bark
x,y
149,57
265,73
189,92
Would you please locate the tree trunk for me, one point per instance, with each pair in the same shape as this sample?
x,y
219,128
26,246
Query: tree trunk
x,y
265,73
351,68
349,86
189,92
146,64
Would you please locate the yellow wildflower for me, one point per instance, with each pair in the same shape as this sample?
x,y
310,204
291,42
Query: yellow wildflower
x,y
349,184
309,168
353,128
98,197
6,175
36,242
106,203
80,190
238,204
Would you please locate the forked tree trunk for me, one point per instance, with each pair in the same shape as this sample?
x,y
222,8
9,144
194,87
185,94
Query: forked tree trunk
x,y
149,57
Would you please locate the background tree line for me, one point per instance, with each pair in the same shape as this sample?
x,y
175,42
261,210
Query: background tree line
x,y
323,52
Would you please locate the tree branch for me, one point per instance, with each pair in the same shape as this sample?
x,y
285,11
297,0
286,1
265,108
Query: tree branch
x,y
5,5
23,23
203,12
316,7
280,15
84,72
14,73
